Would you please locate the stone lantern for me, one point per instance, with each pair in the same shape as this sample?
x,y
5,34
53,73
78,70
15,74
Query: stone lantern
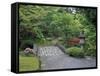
x,y
82,39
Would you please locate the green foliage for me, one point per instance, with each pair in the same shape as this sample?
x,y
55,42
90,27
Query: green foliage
x,y
90,48
26,43
75,52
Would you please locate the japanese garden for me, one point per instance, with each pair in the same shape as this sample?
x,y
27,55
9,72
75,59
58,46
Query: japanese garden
x,y
55,37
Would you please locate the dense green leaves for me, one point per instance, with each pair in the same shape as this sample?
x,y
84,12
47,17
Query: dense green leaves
x,y
75,52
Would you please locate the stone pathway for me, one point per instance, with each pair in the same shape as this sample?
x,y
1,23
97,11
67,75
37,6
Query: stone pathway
x,y
53,58
50,51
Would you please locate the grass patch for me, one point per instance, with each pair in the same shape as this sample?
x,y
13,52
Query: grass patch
x,y
28,63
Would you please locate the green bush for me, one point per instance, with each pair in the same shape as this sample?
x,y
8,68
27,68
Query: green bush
x,y
75,52
90,49
26,43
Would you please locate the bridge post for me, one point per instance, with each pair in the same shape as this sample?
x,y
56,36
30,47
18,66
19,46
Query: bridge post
x,y
35,48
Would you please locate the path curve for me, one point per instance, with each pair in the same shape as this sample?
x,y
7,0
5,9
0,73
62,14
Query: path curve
x,y
53,58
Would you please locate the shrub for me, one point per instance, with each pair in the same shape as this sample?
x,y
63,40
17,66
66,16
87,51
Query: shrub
x,y
90,49
26,43
49,39
75,52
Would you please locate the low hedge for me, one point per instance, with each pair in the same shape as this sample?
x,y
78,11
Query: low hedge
x,y
75,52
